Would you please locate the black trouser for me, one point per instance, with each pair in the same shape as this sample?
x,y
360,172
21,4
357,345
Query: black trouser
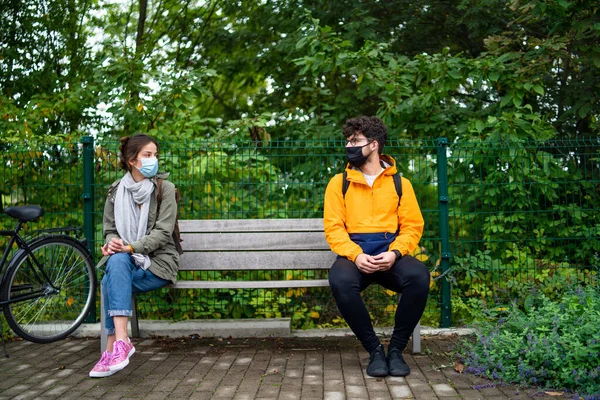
x,y
408,276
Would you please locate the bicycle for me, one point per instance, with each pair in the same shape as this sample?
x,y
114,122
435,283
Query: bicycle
x,y
49,284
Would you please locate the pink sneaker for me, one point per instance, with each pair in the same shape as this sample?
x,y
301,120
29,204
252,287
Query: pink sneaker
x,y
121,352
101,369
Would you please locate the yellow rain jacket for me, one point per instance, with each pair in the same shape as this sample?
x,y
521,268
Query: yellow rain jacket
x,y
371,210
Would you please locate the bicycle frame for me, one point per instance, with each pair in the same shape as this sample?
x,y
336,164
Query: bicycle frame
x,y
35,266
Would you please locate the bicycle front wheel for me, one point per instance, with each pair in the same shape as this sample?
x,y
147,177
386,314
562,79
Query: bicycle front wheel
x,y
49,291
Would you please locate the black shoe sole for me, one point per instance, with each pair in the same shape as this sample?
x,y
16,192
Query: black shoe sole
x,y
401,373
378,375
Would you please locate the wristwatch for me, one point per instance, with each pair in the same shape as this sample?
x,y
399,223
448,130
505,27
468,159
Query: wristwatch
x,y
397,253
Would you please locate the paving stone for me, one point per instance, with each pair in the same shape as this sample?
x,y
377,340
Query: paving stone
x,y
289,395
312,392
400,391
444,390
16,390
334,385
225,391
28,394
57,390
294,373
313,379
356,391
472,394
201,396
377,385
380,396
334,396
9,382
239,369
268,391
243,396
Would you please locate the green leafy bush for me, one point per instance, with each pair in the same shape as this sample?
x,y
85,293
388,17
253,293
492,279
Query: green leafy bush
x,y
548,344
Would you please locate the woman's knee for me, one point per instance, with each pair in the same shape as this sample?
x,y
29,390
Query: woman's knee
x,y
118,261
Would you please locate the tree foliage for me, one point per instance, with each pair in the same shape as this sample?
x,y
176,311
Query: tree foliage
x,y
190,69
280,77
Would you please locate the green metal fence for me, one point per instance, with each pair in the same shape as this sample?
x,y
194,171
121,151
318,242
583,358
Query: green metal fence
x,y
524,217
501,219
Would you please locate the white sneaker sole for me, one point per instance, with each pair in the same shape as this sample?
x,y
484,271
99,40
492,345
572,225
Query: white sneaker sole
x,y
123,364
98,374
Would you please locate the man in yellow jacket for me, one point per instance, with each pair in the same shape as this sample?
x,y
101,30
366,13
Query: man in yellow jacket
x,y
372,230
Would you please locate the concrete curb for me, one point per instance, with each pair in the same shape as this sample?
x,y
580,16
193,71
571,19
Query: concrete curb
x,y
249,328
235,328
383,331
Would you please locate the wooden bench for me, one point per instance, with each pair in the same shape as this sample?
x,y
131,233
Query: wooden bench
x,y
252,245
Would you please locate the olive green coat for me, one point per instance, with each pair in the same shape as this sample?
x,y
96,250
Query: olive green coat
x,y
158,241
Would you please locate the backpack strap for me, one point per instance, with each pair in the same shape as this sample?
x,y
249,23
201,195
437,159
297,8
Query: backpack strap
x,y
397,184
158,193
345,184
176,233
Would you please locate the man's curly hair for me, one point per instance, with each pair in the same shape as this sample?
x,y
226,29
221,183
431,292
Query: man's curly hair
x,y
372,128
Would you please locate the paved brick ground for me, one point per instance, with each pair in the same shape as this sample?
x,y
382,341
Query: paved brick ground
x,y
240,369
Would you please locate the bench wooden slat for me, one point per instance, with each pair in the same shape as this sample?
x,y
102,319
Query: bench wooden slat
x,y
250,284
251,225
254,241
256,260
252,245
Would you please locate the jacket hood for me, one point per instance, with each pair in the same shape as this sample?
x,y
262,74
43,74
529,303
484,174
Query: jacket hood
x,y
386,161
160,175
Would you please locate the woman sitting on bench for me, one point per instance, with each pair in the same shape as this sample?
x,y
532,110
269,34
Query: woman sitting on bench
x,y
139,251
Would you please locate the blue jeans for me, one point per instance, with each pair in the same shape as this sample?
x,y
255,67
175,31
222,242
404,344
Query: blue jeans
x,y
121,280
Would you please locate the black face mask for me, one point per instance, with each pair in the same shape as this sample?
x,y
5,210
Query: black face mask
x,y
355,156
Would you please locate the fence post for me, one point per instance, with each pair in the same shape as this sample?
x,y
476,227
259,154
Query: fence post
x,y
442,165
88,202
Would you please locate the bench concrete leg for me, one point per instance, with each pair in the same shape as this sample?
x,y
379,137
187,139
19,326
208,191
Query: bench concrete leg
x,y
416,337
103,337
135,328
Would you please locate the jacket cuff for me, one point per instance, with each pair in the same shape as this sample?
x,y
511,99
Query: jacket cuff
x,y
402,251
354,256
138,247
110,237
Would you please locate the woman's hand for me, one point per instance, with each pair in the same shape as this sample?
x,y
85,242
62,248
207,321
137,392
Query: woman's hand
x,y
115,245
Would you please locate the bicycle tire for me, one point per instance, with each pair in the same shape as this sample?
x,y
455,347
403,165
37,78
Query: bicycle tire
x,y
64,303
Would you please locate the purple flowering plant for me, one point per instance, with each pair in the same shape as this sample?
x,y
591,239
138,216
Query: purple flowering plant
x,y
547,344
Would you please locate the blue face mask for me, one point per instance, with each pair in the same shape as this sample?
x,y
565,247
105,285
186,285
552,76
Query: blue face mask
x,y
149,167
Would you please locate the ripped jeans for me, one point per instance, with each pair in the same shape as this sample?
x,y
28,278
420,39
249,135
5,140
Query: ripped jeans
x,y
121,280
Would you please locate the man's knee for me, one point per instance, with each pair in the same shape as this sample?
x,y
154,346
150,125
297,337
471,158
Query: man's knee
x,y
417,273
338,281
343,277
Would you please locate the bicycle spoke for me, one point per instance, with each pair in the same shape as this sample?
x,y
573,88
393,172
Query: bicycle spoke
x,y
73,269
66,289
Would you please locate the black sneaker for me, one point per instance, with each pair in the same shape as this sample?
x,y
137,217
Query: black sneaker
x,y
377,363
396,364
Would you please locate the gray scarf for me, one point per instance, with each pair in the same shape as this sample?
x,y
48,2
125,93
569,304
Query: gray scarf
x,y
131,220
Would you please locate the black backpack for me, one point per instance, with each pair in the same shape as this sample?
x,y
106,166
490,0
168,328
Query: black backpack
x,y
397,183
176,234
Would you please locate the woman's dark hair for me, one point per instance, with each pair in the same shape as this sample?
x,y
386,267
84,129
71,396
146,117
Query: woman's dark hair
x,y
372,128
131,146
